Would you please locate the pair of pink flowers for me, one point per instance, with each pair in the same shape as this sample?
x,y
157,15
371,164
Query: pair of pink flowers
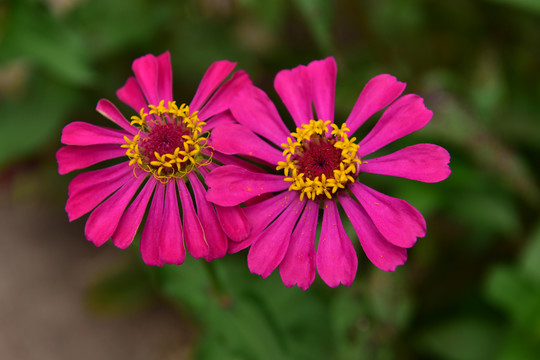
x,y
271,203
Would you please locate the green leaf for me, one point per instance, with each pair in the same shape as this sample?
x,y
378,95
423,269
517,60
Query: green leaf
x,y
530,262
527,5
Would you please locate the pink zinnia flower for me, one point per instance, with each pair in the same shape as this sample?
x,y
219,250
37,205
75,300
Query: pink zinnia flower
x,y
164,150
320,166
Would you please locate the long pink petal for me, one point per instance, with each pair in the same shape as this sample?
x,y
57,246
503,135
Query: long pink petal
x,y
237,139
336,259
194,235
103,221
261,215
323,87
82,133
221,100
234,222
111,112
223,118
231,185
404,116
422,162
397,220
379,251
152,229
146,72
89,189
294,89
165,77
234,160
171,242
132,217
254,109
269,248
298,265
378,93
131,95
216,238
73,157
214,76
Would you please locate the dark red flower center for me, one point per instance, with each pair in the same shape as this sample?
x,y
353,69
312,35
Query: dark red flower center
x,y
163,139
318,156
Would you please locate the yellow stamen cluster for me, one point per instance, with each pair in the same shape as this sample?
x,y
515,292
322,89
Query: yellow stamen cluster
x,y
171,165
313,188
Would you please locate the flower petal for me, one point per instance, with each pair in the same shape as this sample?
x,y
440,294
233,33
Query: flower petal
x,y
254,109
404,116
261,215
152,229
269,248
216,238
214,76
234,222
231,185
237,139
171,242
103,221
194,235
397,220
422,162
82,133
164,83
72,157
89,189
111,112
146,72
298,265
131,95
378,93
336,259
323,87
379,251
223,118
221,100
294,89
132,217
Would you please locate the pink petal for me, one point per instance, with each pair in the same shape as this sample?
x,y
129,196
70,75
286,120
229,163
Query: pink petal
x,y
406,115
378,93
294,89
72,157
223,118
214,76
216,238
323,87
422,162
336,258
108,110
231,185
298,265
234,222
103,221
171,242
233,160
223,96
261,215
152,229
269,248
89,189
146,73
194,235
253,109
132,217
131,95
378,250
81,133
164,84
237,139
397,220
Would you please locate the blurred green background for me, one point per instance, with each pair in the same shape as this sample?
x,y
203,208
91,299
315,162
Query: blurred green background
x,y
470,288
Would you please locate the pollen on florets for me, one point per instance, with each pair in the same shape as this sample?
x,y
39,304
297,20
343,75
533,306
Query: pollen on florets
x,y
169,142
319,162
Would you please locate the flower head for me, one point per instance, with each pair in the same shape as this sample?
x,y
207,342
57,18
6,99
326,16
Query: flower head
x,y
318,167
165,154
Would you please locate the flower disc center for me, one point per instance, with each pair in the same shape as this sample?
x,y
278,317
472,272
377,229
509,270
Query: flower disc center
x,y
318,157
163,139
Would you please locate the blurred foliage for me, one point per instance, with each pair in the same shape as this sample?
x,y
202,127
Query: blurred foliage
x,y
471,288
